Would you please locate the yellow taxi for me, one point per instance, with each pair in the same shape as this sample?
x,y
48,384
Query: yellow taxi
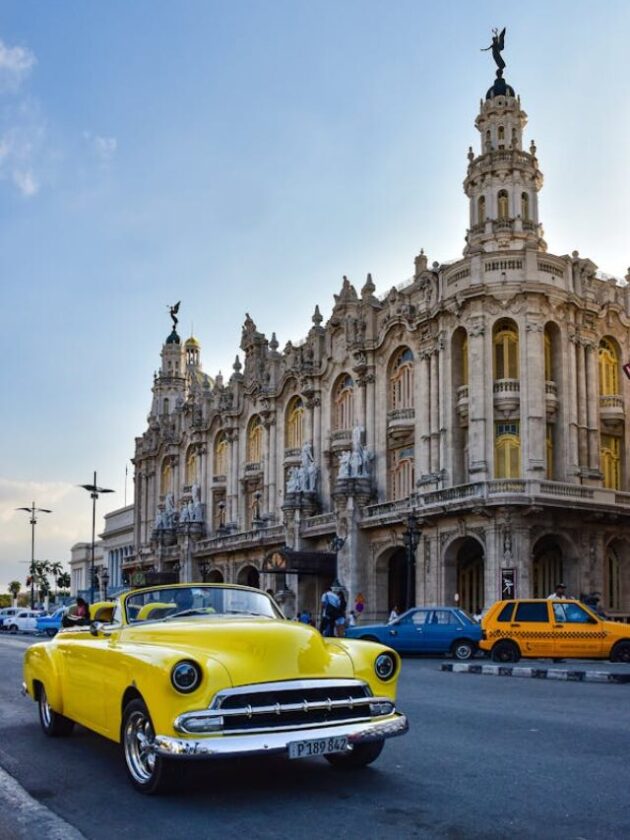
x,y
557,629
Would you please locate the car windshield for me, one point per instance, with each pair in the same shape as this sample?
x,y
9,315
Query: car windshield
x,y
193,601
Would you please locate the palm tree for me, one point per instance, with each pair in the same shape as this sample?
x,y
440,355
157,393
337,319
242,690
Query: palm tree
x,y
63,581
55,569
14,588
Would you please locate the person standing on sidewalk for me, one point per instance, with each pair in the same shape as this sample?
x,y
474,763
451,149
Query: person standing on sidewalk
x,y
559,594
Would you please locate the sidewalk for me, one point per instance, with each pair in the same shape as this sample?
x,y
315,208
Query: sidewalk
x,y
575,670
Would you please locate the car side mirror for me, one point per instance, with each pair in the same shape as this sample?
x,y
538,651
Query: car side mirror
x,y
393,632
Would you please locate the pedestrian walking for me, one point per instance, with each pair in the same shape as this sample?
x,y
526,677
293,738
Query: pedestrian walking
x,y
330,612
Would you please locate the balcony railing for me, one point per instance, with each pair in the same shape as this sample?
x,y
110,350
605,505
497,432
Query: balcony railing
x,y
240,539
495,492
398,414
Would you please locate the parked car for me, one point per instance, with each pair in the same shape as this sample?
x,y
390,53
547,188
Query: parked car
x,y
50,624
212,670
558,629
24,621
5,614
425,630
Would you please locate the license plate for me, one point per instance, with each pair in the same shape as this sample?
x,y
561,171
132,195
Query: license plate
x,y
317,746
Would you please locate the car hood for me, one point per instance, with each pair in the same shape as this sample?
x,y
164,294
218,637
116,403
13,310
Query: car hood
x,y
251,649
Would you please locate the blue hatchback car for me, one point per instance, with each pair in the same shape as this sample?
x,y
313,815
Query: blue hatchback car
x,y
425,630
50,624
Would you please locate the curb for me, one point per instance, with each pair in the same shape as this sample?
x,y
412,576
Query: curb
x,y
537,673
22,817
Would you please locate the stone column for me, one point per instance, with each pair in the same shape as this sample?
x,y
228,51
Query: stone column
x,y
581,404
423,428
434,408
570,394
480,397
533,405
233,485
592,408
271,455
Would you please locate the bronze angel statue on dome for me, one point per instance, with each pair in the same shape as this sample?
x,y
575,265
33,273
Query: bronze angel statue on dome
x,y
497,45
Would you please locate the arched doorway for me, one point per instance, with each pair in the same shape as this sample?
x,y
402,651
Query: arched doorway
x,y
616,594
215,576
464,575
550,567
397,580
249,576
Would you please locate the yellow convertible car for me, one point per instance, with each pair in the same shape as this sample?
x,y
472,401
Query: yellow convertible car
x,y
208,670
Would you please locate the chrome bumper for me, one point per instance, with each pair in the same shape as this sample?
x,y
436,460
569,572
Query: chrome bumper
x,y
268,743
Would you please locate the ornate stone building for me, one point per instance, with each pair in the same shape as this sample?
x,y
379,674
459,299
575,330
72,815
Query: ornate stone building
x,y
460,437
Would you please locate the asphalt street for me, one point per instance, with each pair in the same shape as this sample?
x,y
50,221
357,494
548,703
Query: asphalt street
x,y
487,757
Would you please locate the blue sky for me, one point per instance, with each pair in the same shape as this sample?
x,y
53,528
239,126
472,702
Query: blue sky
x,y
244,156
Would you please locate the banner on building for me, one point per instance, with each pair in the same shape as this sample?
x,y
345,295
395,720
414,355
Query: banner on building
x,y
508,584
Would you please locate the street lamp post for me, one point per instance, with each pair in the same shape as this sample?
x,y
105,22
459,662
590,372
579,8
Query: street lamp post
x,y
411,537
33,510
94,492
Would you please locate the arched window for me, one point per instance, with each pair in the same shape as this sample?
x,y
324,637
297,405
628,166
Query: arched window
x,y
549,452
525,206
507,450
221,446
548,358
254,440
165,407
608,369
343,403
192,462
505,351
294,424
501,136
481,209
166,478
401,472
401,379
610,458
502,205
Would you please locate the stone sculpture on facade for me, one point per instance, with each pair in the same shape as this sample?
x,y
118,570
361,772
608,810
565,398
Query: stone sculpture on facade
x,y
303,479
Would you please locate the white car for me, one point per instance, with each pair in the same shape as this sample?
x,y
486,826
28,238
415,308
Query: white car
x,y
25,621
6,614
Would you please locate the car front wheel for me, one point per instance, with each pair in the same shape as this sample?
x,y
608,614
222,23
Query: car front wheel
x,y
360,756
50,632
53,724
505,652
149,773
463,650
620,652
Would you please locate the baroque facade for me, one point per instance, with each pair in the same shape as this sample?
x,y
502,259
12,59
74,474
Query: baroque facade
x,y
460,438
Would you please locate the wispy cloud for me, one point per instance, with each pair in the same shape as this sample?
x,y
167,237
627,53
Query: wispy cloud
x,y
104,148
15,64
21,125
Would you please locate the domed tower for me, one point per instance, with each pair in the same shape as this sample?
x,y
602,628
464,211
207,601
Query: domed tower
x,y
169,385
192,349
503,181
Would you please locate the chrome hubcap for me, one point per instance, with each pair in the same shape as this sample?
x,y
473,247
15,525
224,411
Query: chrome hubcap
x,y
138,742
44,708
462,652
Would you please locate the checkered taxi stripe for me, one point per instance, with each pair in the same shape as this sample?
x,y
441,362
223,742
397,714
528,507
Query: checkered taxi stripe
x,y
547,634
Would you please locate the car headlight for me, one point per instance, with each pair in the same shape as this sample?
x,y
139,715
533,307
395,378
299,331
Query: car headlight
x,y
385,666
186,676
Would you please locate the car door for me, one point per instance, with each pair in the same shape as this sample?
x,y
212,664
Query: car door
x,y
576,631
441,629
531,628
409,631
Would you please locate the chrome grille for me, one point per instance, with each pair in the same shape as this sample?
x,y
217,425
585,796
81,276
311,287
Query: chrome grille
x,y
292,704
288,705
